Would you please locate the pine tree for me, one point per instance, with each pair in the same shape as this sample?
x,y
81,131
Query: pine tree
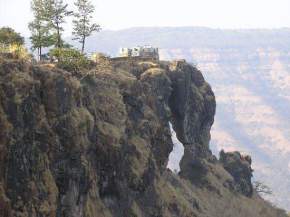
x,y
57,11
40,31
83,27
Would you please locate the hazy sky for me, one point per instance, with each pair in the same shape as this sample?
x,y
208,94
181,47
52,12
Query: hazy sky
x,y
118,14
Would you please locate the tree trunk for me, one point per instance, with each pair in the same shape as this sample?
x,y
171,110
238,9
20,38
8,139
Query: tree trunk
x,y
39,48
40,53
83,44
38,56
58,45
84,37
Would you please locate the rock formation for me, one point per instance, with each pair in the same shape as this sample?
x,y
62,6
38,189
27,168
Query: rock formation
x,y
98,146
240,168
249,73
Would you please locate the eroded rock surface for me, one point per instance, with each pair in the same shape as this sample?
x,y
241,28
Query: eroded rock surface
x,y
98,146
239,167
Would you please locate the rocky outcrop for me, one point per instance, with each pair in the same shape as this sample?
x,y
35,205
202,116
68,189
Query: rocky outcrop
x,y
239,167
98,145
192,104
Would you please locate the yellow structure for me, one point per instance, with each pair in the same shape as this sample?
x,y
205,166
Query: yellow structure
x,y
97,57
16,50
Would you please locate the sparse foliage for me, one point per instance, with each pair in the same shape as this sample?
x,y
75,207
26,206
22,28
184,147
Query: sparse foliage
x,y
70,59
56,13
12,43
40,28
83,27
9,37
262,188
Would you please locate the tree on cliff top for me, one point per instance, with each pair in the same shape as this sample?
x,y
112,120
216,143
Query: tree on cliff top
x,y
13,43
9,37
41,35
70,59
56,12
83,27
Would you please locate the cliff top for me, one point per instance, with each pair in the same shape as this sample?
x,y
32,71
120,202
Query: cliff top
x,y
98,145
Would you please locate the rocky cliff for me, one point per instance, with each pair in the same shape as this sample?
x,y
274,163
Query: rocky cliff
x,y
249,72
98,145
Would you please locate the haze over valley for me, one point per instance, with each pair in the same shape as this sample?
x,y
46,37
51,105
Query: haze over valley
x,y
144,108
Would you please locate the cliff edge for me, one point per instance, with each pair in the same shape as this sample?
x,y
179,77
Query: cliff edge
x,y
98,145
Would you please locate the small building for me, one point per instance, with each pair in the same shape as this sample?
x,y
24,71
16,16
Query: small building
x,y
125,52
140,51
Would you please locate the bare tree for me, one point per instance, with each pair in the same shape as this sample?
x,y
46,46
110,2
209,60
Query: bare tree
x,y
262,188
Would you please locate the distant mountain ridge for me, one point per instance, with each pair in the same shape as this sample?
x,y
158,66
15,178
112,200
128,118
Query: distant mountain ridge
x,y
249,71
110,41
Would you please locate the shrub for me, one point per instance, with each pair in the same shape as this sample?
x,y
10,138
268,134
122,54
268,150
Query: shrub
x,y
261,188
12,44
9,37
69,59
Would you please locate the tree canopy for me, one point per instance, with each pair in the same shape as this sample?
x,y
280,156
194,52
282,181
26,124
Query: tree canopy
x,y
49,19
69,59
41,35
83,26
56,13
8,37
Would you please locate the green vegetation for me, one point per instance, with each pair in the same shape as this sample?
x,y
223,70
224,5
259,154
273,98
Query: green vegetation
x,y
48,25
12,43
83,27
70,59
46,28
46,31
41,35
9,37
56,12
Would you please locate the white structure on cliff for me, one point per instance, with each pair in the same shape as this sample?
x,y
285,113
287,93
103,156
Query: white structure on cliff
x,y
140,51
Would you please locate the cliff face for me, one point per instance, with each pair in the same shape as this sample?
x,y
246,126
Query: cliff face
x,y
99,145
249,72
